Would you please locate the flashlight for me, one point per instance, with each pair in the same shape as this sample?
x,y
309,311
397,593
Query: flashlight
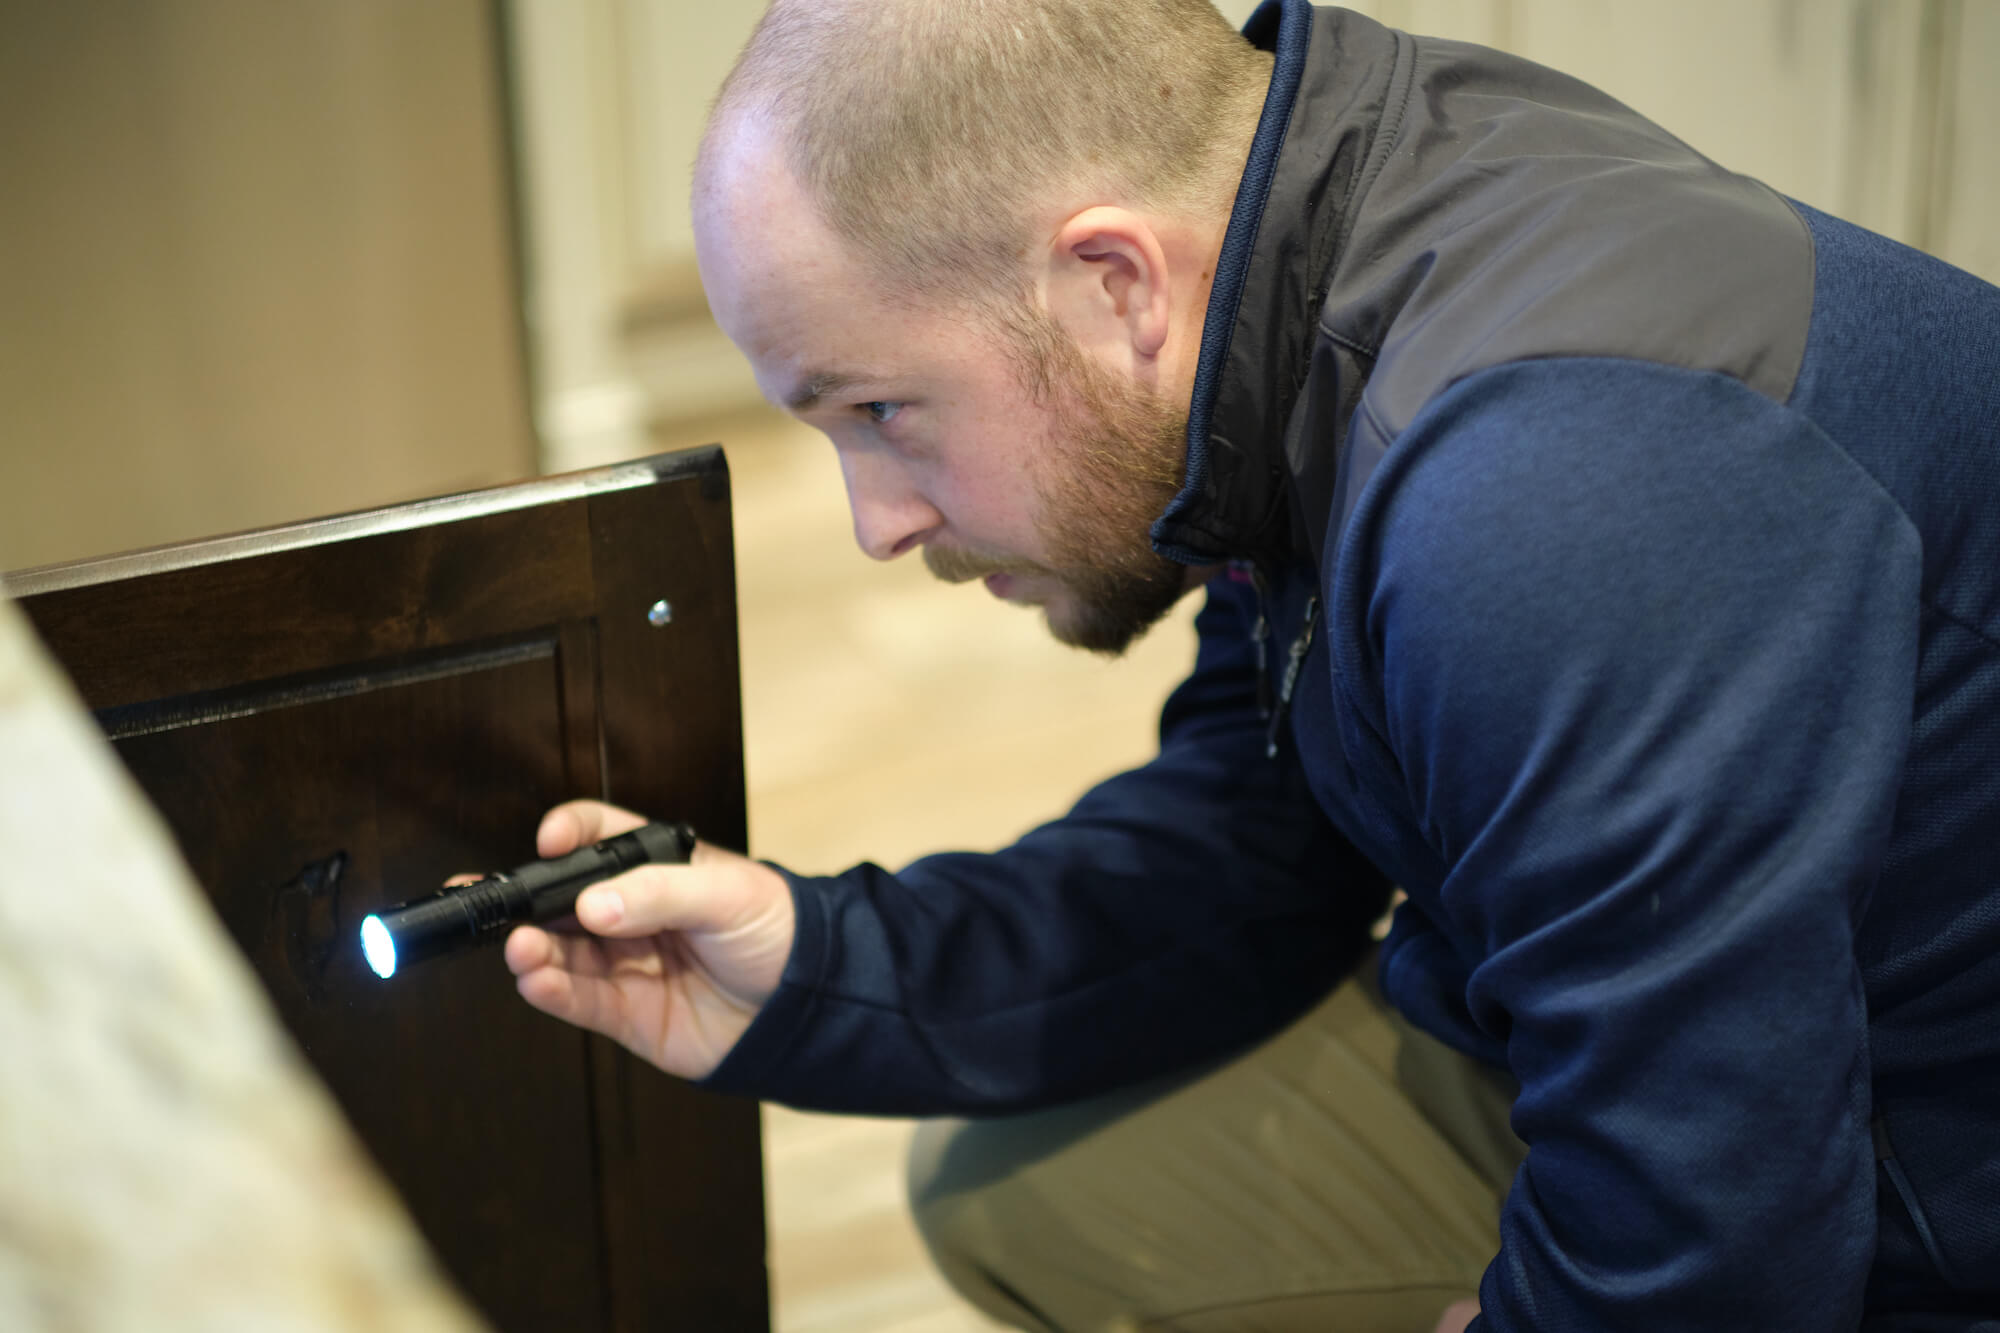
x,y
539,891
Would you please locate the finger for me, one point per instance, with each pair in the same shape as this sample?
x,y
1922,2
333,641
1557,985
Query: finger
x,y
460,881
550,990
649,899
531,947
546,972
578,990
1456,1316
528,948
587,1002
574,823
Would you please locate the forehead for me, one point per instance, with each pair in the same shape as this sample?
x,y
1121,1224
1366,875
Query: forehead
x,y
790,294
766,260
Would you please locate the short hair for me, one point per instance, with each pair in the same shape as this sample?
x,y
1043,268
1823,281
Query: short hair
x,y
928,132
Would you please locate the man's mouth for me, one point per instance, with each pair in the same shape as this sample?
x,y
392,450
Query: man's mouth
x,y
956,566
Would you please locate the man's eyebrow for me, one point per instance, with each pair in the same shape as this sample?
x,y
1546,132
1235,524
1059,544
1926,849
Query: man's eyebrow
x,y
818,384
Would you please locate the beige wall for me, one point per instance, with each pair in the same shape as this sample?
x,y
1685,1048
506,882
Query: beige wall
x,y
254,266
612,96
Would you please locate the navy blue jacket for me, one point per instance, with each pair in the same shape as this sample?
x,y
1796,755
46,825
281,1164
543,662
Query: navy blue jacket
x,y
1648,525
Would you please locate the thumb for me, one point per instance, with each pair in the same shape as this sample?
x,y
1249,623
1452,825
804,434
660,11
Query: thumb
x,y
649,899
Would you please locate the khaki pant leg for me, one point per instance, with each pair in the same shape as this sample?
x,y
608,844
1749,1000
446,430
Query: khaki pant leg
x,y
1345,1175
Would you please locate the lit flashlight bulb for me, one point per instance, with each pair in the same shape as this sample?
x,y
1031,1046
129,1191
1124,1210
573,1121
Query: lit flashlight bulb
x,y
379,947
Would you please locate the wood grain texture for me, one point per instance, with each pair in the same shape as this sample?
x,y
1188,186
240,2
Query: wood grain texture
x,y
452,1083
167,1163
673,748
396,593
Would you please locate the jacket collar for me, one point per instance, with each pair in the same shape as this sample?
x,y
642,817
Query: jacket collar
x,y
1329,82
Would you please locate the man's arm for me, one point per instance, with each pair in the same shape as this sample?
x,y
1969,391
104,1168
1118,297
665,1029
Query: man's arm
x,y
1179,911
1647,643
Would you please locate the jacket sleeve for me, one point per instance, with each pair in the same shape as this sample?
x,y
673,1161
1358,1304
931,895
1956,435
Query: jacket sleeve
x,y
1180,910
1647,642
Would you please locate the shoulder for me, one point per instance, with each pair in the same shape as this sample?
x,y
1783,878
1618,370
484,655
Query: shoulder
x,y
1613,591
1597,472
1554,526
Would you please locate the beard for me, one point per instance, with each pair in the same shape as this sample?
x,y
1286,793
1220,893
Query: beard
x,y
1114,460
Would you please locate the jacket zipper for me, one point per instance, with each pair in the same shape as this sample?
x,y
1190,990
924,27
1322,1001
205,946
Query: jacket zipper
x,y
1273,711
1260,639
1295,659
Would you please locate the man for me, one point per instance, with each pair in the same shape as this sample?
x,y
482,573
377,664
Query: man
x,y
1595,544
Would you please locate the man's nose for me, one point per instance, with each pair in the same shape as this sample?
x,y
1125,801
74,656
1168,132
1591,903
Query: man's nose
x,y
891,516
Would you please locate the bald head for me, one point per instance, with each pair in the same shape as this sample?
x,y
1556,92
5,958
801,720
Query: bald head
x,y
934,139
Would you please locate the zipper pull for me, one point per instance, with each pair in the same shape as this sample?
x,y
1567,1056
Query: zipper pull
x,y
1260,639
1295,660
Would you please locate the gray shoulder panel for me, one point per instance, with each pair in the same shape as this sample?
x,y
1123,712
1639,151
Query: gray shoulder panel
x,y
1521,214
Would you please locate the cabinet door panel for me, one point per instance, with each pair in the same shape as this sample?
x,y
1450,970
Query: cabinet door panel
x,y
336,716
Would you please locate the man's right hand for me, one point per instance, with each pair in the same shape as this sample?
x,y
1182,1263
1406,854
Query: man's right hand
x,y
678,958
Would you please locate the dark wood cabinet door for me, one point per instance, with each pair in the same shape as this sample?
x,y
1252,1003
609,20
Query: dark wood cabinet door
x,y
336,715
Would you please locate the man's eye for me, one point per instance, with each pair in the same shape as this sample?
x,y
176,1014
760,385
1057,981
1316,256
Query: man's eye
x,y
881,413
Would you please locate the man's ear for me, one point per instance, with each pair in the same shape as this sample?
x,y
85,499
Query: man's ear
x,y
1107,283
